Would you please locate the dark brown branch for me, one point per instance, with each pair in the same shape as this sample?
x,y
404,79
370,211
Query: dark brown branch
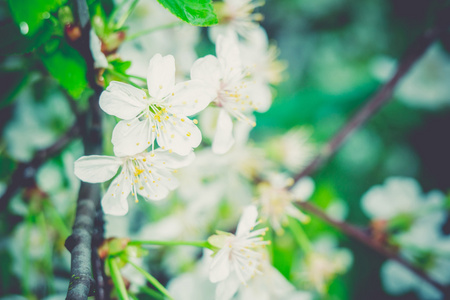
x,y
88,227
375,102
25,172
359,235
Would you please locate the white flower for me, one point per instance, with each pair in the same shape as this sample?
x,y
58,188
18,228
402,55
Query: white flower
x,y
325,262
294,150
147,174
277,201
426,85
237,16
160,113
237,259
271,285
260,58
235,95
399,196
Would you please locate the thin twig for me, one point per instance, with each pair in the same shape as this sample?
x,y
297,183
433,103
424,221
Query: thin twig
x,y
366,239
374,103
25,172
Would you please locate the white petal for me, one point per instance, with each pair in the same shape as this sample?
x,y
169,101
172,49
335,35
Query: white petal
x,y
303,189
97,168
190,97
131,137
226,289
153,188
208,70
247,221
95,45
260,95
161,76
220,266
122,100
223,139
170,160
114,202
227,51
181,137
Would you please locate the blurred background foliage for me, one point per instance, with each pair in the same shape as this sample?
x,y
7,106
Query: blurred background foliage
x,y
339,52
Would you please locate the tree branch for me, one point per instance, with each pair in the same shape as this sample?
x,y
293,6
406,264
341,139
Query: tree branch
x,y
366,239
374,103
88,227
25,172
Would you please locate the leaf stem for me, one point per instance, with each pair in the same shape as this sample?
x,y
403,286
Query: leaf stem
x,y
117,278
300,235
151,30
122,77
150,279
201,244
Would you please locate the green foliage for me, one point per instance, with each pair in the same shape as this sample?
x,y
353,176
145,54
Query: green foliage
x,y
68,67
33,13
14,42
199,13
12,82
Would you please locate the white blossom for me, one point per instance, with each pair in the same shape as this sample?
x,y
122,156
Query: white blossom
x,y
277,201
157,113
237,16
260,59
237,258
149,174
399,196
325,262
234,94
271,285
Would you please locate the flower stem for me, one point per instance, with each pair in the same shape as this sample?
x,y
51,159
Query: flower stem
x,y
152,293
201,244
117,278
137,77
300,235
151,30
123,77
151,279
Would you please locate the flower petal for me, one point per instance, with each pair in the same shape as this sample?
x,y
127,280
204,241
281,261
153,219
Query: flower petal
x,y
97,168
156,185
114,202
207,69
170,160
247,221
123,100
161,76
260,95
220,266
223,139
131,137
180,137
190,97
227,52
226,289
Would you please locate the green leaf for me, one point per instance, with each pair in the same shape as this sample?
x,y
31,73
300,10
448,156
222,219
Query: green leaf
x,y
67,66
13,41
199,13
12,82
30,14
